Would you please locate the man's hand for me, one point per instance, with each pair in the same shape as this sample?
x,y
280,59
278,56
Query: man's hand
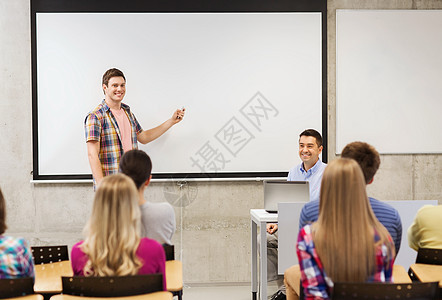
x,y
93,149
147,136
272,228
178,115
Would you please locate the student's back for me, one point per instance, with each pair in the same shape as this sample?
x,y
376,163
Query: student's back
x,y
426,230
149,251
386,214
158,221
158,218
347,243
113,246
15,256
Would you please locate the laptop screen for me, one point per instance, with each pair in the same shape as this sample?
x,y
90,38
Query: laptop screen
x,y
276,191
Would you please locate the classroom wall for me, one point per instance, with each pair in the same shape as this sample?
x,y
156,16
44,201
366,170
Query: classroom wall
x,y
213,234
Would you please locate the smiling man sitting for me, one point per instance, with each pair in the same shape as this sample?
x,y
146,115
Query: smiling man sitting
x,y
310,169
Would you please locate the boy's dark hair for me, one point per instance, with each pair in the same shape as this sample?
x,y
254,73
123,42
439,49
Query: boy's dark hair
x,y
112,73
137,165
313,133
366,156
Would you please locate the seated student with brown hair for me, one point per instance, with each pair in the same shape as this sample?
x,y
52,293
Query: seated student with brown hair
x,y
347,243
113,246
157,218
15,255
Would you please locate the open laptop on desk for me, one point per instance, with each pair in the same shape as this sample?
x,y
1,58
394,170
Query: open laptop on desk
x,y
276,191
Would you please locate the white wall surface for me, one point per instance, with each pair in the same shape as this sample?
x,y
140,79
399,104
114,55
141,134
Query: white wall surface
x,y
388,79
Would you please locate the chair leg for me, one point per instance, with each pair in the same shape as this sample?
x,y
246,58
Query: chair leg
x,y
412,276
179,294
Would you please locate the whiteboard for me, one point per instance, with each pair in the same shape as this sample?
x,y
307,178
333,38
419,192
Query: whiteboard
x,y
389,79
250,83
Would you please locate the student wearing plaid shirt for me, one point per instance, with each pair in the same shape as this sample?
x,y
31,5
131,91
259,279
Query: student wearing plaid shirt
x,y
15,256
347,243
112,129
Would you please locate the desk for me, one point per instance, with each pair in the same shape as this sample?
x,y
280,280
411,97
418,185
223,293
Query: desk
x,y
48,276
260,218
428,273
151,296
27,297
174,276
400,275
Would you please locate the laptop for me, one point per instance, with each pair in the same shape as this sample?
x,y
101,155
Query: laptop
x,y
276,191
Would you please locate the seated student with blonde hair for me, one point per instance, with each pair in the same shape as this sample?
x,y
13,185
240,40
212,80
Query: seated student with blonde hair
x,y
113,246
15,255
157,218
347,243
369,160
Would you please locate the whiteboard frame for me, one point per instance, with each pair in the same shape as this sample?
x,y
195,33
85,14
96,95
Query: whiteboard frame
x,y
167,6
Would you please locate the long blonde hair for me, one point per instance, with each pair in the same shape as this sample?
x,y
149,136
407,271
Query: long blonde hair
x,y
344,232
112,233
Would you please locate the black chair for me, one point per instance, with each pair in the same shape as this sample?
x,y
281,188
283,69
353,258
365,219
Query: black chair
x,y
169,250
301,291
16,287
378,290
112,286
49,254
429,256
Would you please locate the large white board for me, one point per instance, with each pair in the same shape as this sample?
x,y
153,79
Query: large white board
x,y
389,79
250,83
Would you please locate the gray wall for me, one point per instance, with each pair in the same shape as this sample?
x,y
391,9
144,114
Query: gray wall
x,y
213,233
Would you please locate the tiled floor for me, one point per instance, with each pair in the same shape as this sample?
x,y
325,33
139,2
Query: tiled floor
x,y
220,292
217,293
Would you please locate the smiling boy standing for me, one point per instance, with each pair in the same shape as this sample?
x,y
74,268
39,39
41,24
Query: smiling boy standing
x,y
112,129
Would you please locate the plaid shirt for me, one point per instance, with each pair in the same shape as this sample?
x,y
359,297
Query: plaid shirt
x,y
316,283
100,125
15,258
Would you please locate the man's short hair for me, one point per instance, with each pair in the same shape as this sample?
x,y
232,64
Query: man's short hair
x,y
112,73
137,165
313,133
366,156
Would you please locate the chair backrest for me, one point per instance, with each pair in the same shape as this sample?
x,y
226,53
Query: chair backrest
x,y
16,287
49,254
170,251
112,286
429,256
301,291
379,290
